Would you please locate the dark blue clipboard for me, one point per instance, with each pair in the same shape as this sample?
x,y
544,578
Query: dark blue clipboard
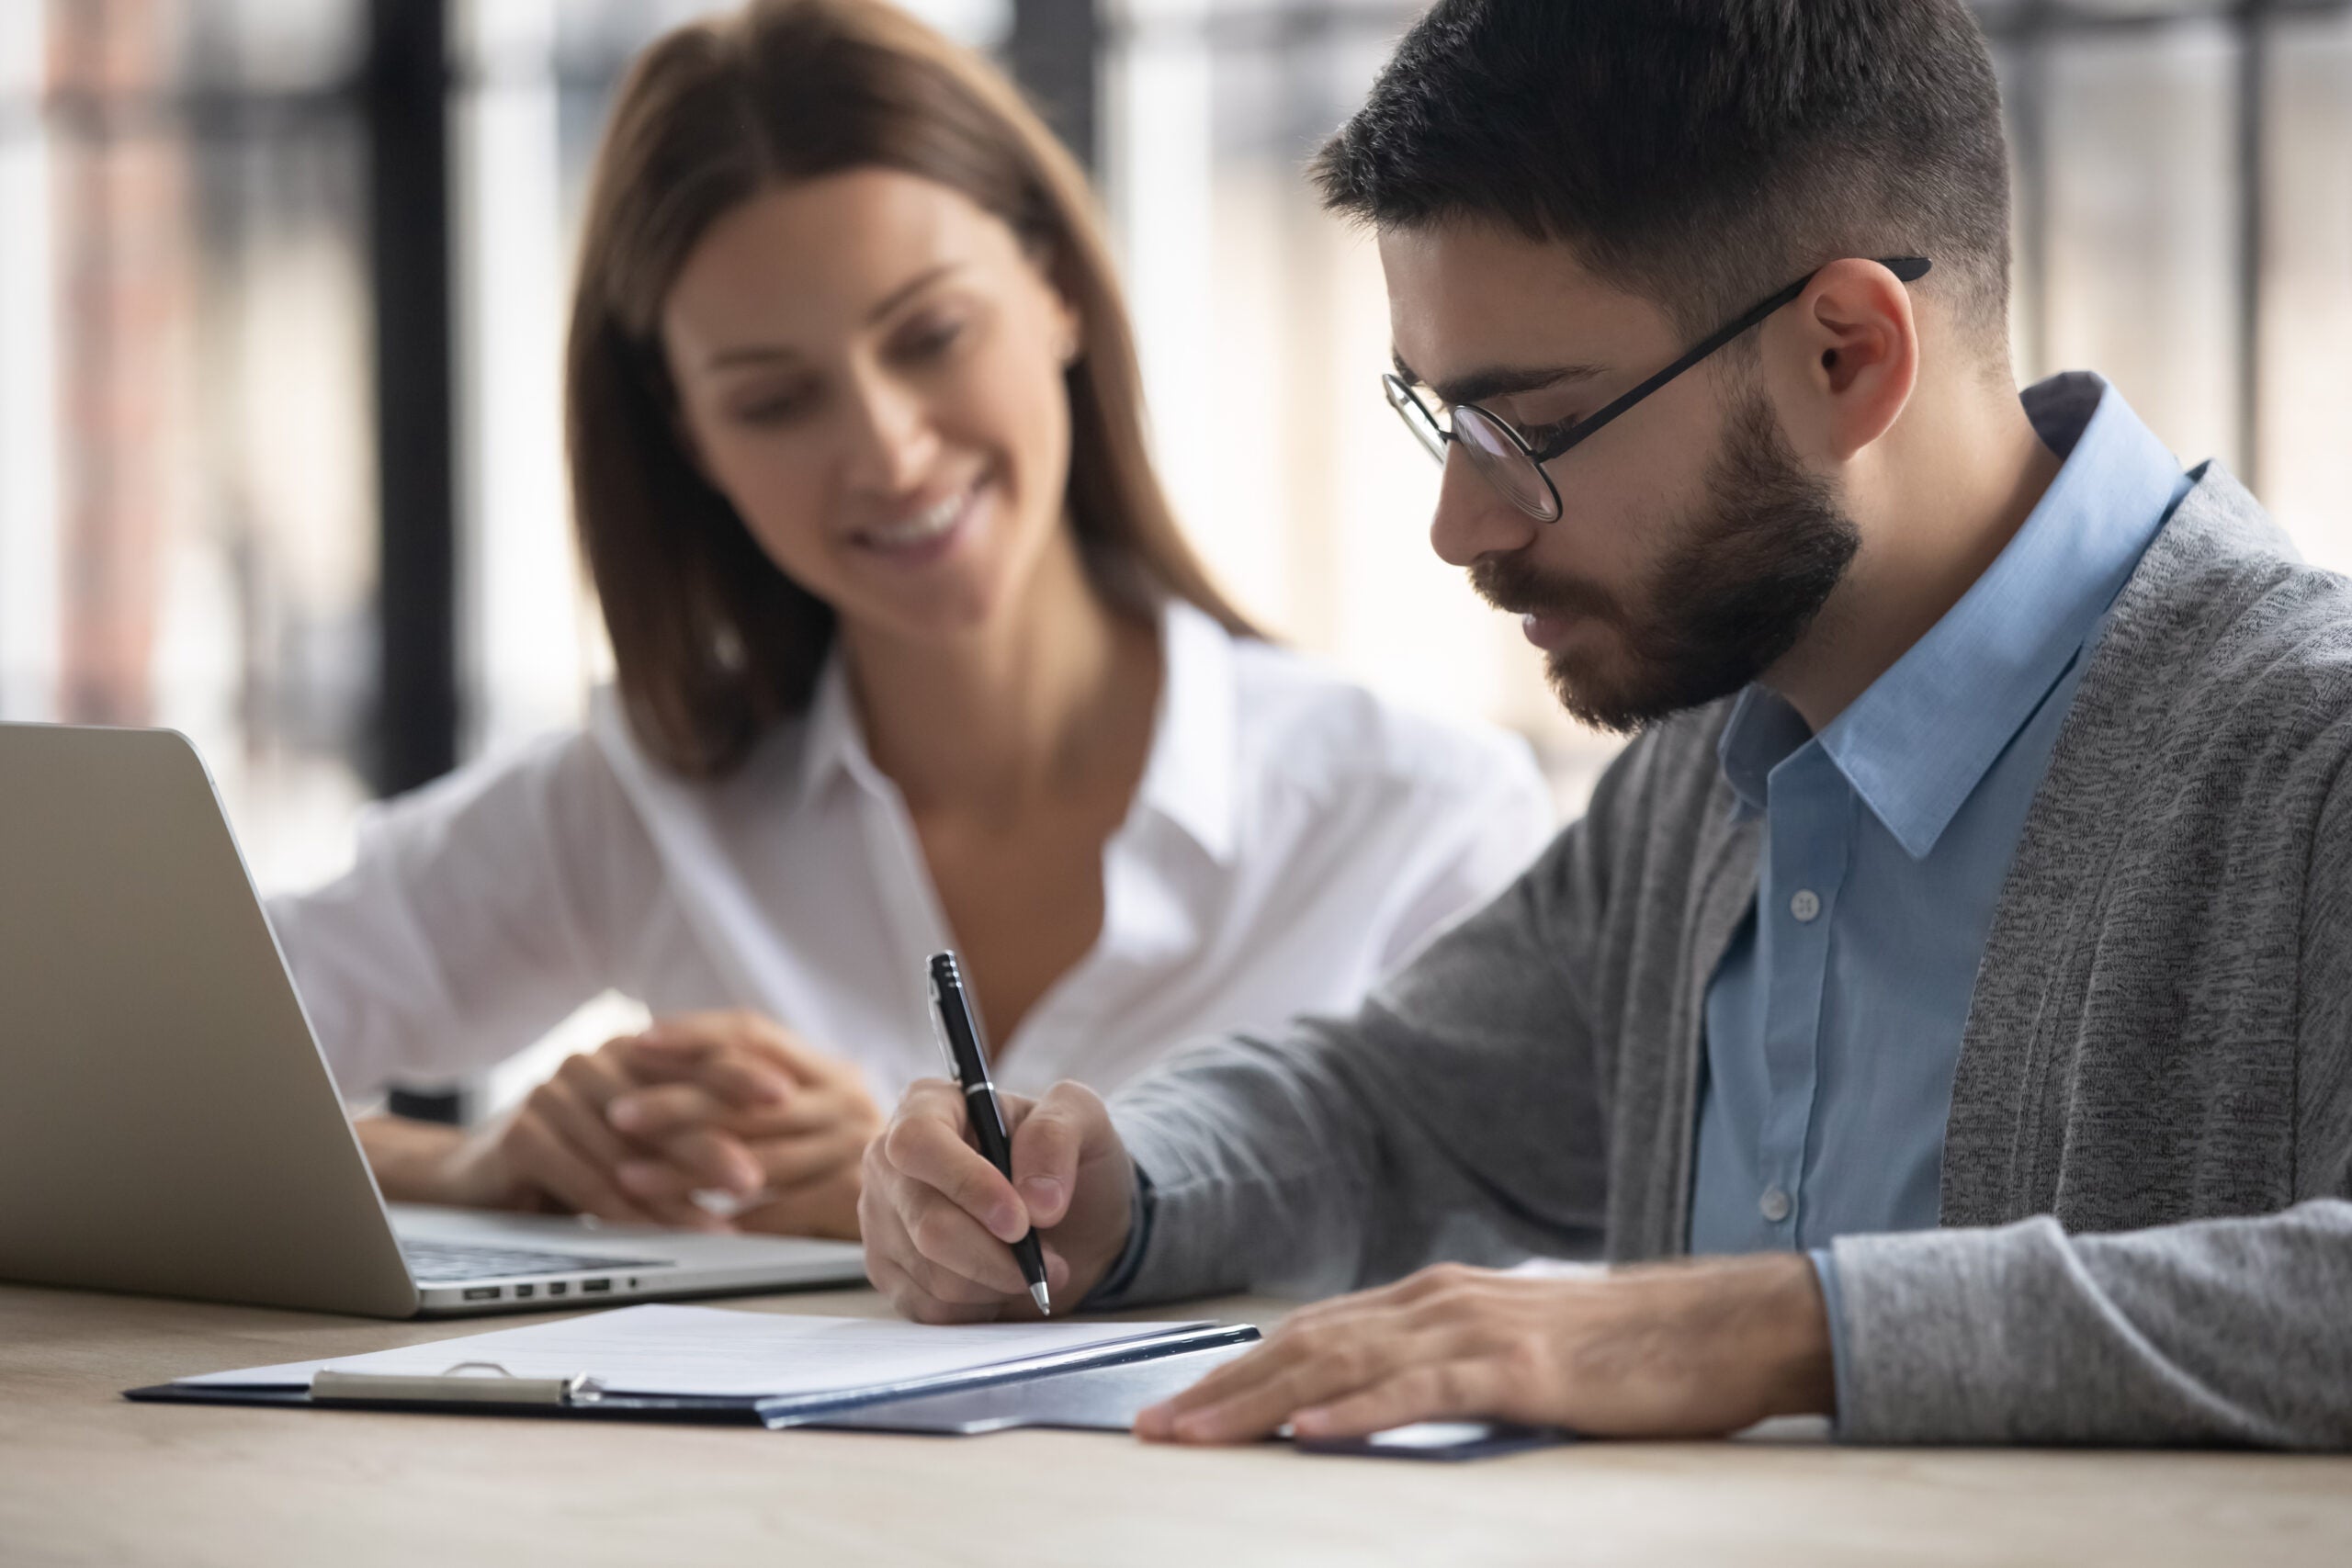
x,y
1061,1374
1098,1390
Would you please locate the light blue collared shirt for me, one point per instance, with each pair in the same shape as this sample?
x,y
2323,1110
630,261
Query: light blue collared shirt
x,y
1834,1021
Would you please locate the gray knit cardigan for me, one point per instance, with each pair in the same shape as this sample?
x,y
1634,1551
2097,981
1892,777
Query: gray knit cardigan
x,y
2145,1234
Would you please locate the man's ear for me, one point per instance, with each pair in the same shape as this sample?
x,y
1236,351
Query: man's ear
x,y
1849,352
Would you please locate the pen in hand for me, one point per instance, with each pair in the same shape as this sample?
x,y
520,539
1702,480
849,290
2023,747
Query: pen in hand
x,y
967,1062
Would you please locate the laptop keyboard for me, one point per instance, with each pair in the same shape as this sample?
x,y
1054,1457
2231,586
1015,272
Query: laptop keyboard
x,y
440,1262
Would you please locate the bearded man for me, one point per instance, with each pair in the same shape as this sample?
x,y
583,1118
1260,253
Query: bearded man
x,y
1942,1017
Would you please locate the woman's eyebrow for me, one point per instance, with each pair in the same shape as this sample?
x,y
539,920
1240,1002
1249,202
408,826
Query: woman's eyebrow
x,y
764,353
908,289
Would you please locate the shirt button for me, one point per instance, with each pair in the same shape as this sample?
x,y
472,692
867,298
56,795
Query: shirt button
x,y
1774,1205
1804,905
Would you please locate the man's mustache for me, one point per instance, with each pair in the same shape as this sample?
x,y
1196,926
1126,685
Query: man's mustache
x,y
1514,585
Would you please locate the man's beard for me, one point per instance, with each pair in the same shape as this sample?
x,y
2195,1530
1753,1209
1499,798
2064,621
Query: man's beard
x,y
1743,577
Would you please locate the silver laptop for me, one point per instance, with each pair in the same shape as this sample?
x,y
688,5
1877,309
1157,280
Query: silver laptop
x,y
167,1123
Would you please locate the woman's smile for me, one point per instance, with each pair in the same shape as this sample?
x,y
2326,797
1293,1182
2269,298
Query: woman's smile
x,y
927,532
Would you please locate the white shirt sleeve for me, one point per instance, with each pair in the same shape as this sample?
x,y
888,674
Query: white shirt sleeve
x,y
481,910
1484,828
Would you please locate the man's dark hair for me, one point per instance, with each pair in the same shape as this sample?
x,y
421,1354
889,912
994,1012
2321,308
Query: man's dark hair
x,y
1699,153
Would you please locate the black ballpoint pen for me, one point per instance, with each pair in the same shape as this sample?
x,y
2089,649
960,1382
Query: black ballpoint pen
x,y
967,1061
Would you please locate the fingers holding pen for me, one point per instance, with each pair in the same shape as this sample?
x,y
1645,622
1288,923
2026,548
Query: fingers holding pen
x,y
1048,1143
935,1210
925,1152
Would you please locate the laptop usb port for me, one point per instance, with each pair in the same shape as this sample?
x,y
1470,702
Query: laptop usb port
x,y
558,1288
523,1292
594,1287
481,1292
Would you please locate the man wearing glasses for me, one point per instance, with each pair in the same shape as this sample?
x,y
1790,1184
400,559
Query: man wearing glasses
x,y
1959,961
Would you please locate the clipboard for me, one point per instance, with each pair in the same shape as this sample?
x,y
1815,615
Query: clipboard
x,y
725,1367
1096,1388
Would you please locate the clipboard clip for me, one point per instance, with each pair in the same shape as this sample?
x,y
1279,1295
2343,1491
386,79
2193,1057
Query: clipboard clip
x,y
466,1383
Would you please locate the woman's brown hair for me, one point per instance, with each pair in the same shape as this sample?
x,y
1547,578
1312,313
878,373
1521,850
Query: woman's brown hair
x,y
713,643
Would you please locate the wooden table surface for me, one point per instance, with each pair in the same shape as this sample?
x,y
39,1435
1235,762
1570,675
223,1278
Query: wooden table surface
x,y
88,1478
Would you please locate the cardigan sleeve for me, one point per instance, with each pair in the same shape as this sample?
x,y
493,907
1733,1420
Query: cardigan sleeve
x,y
2220,1331
1459,1114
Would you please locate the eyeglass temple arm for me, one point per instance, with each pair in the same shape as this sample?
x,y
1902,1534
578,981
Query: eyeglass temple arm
x,y
1907,270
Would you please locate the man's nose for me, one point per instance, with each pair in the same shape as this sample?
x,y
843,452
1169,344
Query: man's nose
x,y
1473,518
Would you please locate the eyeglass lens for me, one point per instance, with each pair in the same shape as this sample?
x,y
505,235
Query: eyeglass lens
x,y
1504,462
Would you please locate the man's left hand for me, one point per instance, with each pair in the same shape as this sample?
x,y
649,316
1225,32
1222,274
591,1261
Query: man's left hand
x,y
1682,1349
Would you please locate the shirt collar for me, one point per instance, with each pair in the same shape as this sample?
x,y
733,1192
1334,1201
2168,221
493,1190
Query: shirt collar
x,y
833,745
1917,742
1188,778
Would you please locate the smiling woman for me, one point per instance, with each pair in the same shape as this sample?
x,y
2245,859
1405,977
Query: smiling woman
x,y
910,654
895,444
728,144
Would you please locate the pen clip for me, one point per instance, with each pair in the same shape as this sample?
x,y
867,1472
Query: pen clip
x,y
939,1013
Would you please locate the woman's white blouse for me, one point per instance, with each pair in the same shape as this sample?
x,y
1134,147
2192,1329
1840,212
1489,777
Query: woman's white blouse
x,y
1293,837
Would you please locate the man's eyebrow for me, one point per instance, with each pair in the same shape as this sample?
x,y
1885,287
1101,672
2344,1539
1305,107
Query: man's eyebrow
x,y
760,353
1499,381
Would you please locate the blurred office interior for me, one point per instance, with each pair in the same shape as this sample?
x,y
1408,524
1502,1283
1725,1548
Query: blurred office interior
x,y
283,283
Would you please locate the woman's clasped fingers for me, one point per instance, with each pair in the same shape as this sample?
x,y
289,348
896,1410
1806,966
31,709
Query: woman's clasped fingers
x,y
701,1159
590,1158
742,1076
550,1144
651,1112
795,1161
738,1053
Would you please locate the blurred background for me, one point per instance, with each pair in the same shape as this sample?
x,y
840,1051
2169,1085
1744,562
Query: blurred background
x,y
282,287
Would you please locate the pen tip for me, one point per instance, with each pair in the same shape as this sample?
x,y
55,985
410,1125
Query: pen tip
x,y
1044,1302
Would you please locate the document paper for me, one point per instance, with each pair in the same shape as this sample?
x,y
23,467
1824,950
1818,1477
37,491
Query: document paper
x,y
658,1350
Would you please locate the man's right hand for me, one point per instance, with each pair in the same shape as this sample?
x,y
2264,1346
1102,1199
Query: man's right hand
x,y
939,1220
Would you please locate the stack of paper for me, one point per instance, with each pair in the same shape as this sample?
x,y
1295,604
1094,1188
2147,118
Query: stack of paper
x,y
704,1352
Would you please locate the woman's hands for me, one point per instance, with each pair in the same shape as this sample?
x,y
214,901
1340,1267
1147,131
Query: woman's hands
x,y
725,1103
735,1103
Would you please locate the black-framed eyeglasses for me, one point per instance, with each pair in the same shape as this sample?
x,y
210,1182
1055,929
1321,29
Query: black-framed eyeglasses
x,y
1514,466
